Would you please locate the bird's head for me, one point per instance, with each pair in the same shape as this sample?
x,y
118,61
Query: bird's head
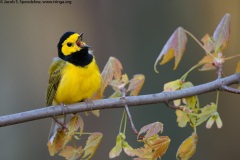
x,y
71,43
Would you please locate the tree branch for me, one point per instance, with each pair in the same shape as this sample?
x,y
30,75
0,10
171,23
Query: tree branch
x,y
162,97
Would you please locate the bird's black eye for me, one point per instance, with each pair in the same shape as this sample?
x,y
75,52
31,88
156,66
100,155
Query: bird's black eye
x,y
69,44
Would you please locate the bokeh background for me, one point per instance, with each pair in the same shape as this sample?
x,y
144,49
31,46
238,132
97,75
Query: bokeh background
x,y
132,31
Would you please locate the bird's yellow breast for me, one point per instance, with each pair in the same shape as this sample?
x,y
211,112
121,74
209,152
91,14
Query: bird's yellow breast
x,y
77,83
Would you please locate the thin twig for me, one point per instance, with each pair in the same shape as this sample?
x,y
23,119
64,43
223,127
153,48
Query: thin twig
x,y
60,123
130,120
230,89
128,113
220,71
198,42
173,106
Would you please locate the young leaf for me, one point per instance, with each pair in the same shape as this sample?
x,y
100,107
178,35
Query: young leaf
x,y
187,148
143,153
214,118
151,129
186,85
96,113
71,153
207,62
113,69
191,102
222,34
173,85
74,124
117,85
92,144
128,149
182,118
154,148
160,146
238,67
117,149
174,47
136,84
208,43
206,112
58,142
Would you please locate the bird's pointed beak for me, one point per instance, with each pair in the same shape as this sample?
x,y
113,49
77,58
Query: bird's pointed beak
x,y
80,43
81,36
85,46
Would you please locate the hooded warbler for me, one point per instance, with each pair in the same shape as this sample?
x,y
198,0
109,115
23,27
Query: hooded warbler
x,y
73,75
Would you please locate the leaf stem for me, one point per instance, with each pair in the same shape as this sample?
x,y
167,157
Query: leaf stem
x,y
84,133
120,127
217,98
195,129
230,89
186,74
125,123
199,43
131,121
228,58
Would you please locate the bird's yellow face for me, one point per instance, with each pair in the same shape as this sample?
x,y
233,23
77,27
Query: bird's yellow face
x,y
73,44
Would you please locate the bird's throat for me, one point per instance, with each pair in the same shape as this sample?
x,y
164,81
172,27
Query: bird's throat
x,y
81,58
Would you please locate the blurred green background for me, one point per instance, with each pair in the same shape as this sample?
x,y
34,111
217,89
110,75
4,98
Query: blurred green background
x,y
132,31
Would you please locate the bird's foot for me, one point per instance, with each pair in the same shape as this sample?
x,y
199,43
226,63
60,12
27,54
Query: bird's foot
x,y
89,103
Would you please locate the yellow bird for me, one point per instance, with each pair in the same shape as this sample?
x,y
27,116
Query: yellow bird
x,y
73,75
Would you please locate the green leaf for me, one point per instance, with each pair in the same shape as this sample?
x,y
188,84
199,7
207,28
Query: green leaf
x,y
173,85
206,112
128,149
214,118
182,118
92,144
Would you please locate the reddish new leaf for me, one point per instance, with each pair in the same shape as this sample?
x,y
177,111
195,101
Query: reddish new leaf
x,y
71,153
154,148
58,142
113,69
208,43
174,47
151,129
207,62
118,85
136,84
222,34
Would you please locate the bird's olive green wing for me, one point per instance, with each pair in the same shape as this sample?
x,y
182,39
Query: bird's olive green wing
x,y
55,73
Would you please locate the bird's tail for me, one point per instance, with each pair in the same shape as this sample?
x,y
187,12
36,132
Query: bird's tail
x,y
55,127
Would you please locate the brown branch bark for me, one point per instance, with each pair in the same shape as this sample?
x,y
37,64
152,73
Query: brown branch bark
x,y
46,112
